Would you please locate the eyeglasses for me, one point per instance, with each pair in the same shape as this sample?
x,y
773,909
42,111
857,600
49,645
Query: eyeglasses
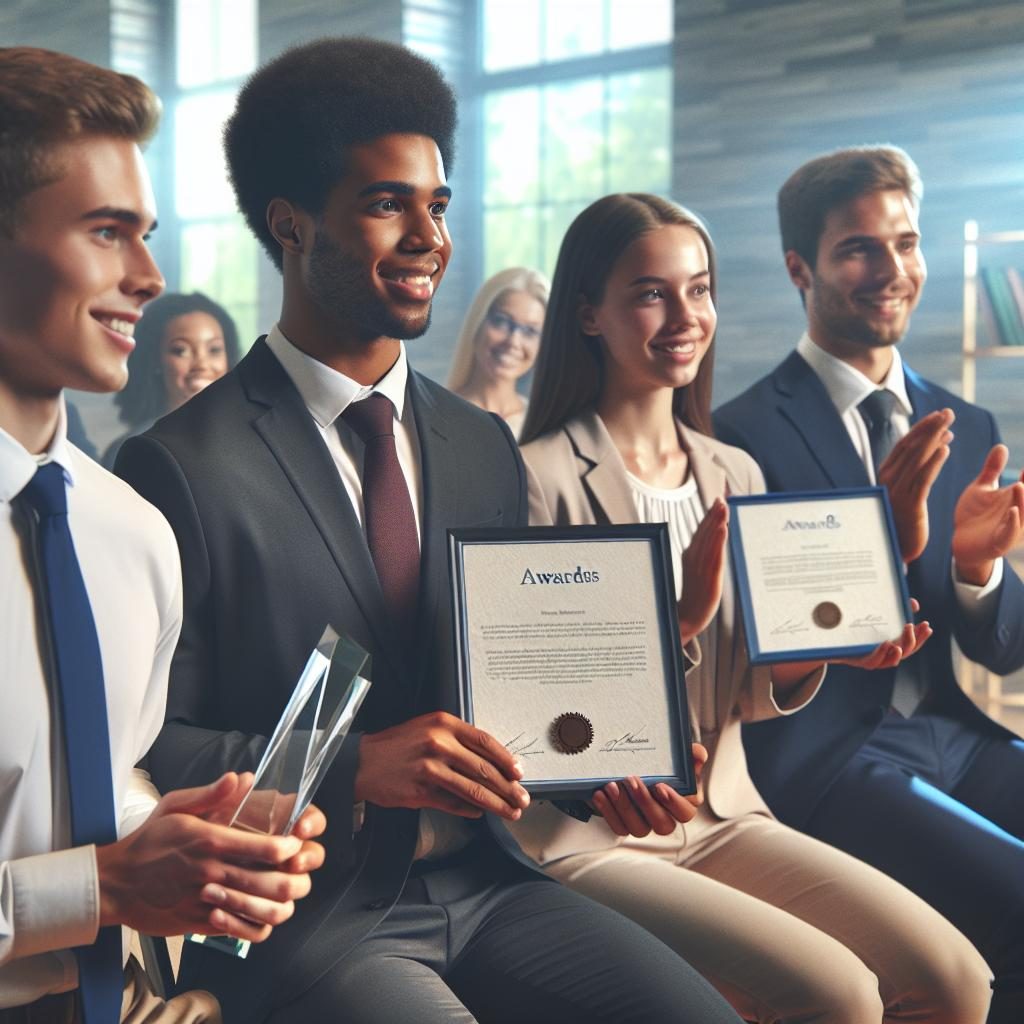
x,y
503,322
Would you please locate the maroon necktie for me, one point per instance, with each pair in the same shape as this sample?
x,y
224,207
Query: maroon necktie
x,y
387,507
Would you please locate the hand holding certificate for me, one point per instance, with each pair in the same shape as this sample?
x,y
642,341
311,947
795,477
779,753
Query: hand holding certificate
x,y
819,574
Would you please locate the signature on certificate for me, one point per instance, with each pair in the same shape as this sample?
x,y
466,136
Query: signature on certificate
x,y
522,747
869,621
632,742
789,626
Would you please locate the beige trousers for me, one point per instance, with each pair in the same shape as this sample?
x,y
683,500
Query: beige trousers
x,y
789,929
139,1005
142,1006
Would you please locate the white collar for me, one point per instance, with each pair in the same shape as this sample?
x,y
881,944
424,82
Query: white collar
x,y
848,387
18,465
327,393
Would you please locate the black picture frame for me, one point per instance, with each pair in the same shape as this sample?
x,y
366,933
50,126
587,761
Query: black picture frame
x,y
671,675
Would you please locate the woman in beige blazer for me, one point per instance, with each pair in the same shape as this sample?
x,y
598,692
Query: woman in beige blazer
x,y
618,430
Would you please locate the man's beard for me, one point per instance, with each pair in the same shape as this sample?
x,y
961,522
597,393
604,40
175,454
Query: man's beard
x,y
834,311
338,285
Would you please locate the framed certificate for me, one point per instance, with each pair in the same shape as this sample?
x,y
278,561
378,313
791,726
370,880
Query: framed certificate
x,y
568,652
819,574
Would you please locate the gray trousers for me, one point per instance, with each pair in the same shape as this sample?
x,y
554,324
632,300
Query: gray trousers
x,y
462,947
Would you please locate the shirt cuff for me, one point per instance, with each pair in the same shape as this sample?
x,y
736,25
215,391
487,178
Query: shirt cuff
x,y
56,900
693,653
975,602
138,804
802,693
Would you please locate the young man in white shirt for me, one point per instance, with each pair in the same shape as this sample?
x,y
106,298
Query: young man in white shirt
x,y
76,209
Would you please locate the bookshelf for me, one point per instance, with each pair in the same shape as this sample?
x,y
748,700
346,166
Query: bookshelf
x,y
987,687
971,350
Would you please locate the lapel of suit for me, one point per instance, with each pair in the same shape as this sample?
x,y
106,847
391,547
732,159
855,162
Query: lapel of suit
x,y
440,502
803,400
604,475
288,430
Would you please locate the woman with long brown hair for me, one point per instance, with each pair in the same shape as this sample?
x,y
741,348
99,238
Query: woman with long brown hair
x,y
619,430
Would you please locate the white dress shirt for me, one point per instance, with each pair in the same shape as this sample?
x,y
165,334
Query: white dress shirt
x,y
49,894
848,387
327,393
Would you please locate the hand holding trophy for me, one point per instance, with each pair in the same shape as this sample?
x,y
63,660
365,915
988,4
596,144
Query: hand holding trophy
x,y
307,738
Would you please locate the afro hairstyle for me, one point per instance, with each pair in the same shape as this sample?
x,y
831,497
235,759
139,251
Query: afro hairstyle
x,y
297,116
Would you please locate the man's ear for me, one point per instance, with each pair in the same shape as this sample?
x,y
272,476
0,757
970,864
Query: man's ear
x,y
290,225
587,319
799,272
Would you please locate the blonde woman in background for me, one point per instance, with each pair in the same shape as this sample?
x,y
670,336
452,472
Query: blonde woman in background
x,y
499,341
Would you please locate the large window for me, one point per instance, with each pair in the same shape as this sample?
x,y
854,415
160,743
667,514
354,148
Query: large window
x,y
216,48
577,102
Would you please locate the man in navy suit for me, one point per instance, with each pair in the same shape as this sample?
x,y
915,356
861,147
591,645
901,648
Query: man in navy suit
x,y
314,483
897,767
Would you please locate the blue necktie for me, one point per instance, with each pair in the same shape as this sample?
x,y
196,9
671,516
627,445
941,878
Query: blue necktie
x,y
79,682
876,410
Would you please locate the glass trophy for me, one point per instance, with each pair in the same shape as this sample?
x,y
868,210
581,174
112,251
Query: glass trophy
x,y
306,740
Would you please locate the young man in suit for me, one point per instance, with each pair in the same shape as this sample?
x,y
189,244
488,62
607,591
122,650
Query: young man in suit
x,y
897,767
314,484
90,590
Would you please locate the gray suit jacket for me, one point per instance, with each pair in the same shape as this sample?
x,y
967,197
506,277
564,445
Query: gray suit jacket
x,y
576,476
271,552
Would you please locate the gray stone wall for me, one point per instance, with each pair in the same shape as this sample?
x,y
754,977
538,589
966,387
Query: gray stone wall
x,y
81,28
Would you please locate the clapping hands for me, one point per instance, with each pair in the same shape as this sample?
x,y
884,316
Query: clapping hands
x,y
988,521
703,572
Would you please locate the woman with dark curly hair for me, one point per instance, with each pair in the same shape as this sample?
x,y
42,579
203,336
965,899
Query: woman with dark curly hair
x,y
182,343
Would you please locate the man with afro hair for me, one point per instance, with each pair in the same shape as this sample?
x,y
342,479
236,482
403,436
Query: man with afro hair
x,y
315,483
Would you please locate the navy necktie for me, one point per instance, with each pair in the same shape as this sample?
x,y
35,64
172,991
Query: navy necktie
x,y
79,683
387,507
876,410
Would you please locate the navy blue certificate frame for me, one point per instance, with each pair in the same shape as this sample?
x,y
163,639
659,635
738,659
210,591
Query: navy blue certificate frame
x,y
756,655
672,676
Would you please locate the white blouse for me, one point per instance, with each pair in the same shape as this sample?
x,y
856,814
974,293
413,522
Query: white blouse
x,y
680,507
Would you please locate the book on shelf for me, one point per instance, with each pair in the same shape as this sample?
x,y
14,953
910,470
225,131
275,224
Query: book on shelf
x,y
1016,282
1003,291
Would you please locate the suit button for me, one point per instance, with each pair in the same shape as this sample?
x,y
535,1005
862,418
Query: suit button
x,y
377,904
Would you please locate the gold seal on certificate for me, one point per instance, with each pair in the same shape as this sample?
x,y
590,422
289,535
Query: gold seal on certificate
x,y
819,575
828,615
572,732
569,654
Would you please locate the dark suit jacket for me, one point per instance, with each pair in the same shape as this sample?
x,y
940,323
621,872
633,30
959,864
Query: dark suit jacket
x,y
788,423
271,552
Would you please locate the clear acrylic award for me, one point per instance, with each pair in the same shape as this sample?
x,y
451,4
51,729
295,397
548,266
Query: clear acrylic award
x,y
306,740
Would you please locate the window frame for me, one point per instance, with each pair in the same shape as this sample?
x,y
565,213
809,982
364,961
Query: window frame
x,y
603,66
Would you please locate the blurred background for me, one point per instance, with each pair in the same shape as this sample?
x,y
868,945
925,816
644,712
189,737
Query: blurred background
x,y
712,102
